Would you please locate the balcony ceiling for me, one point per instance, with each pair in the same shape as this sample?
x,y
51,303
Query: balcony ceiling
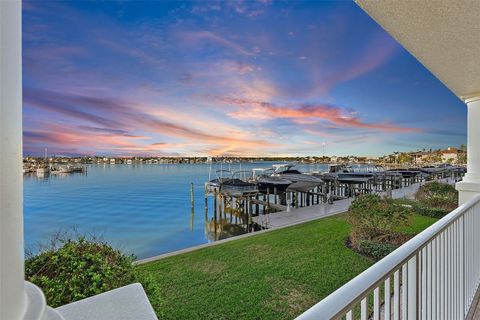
x,y
443,35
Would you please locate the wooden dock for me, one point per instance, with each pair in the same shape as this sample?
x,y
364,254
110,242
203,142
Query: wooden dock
x,y
304,214
277,207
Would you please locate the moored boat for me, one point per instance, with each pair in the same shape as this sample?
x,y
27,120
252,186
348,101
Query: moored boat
x,y
266,182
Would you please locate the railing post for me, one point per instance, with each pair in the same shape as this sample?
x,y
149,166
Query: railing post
x,y
12,294
470,185
462,268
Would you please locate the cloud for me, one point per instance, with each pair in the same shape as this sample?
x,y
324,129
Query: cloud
x,y
122,119
196,37
251,109
379,49
129,50
67,105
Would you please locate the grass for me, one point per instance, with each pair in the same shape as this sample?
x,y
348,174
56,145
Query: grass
x,y
275,275
418,224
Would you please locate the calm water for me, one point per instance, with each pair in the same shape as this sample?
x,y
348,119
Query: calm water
x,y
142,209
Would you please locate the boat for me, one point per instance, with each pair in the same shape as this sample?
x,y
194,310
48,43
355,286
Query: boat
x,y
266,182
346,174
214,184
432,170
62,170
236,187
450,167
406,173
43,170
300,181
77,168
230,185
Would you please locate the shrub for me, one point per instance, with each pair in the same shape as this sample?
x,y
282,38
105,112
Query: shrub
x,y
374,249
374,217
436,213
74,269
437,195
422,209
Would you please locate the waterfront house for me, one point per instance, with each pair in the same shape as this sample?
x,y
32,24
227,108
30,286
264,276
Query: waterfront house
x,y
420,156
451,154
439,269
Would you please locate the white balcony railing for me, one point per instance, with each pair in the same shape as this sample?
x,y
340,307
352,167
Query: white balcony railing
x,y
434,276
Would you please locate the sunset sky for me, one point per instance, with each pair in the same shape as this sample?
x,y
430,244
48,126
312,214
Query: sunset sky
x,y
246,78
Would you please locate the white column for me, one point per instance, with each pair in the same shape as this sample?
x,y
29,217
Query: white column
x,y
470,186
12,292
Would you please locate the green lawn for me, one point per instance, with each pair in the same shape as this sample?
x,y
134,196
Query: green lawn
x,y
275,275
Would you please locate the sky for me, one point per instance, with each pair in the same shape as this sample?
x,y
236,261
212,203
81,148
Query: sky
x,y
225,78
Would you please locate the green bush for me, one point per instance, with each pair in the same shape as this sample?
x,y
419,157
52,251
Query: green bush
x,y
436,213
374,249
373,217
422,209
436,195
74,269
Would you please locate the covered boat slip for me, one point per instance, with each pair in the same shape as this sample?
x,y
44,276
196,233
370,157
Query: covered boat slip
x,y
322,210
271,198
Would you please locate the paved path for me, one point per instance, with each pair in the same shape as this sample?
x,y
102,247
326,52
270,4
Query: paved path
x,y
285,218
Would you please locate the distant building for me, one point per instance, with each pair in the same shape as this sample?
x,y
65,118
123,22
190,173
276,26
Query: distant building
x,y
451,154
421,156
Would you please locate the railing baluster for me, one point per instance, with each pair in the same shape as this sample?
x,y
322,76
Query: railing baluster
x,y
441,312
448,273
459,261
404,302
429,276
376,304
464,275
363,307
396,295
387,304
349,315
455,283
423,289
413,282
435,267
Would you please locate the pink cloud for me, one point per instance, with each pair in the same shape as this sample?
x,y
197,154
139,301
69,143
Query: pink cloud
x,y
110,123
251,109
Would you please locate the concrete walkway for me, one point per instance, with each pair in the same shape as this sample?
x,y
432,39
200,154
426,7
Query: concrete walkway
x,y
285,218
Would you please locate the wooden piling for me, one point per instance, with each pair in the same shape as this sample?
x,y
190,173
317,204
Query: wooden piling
x,y
192,196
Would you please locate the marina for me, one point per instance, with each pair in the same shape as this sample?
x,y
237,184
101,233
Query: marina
x,y
282,195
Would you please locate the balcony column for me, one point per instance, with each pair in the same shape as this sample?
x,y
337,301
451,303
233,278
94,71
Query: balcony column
x,y
470,186
13,301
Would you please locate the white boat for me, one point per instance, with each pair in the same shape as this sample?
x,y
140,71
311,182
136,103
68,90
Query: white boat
x,y
43,171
